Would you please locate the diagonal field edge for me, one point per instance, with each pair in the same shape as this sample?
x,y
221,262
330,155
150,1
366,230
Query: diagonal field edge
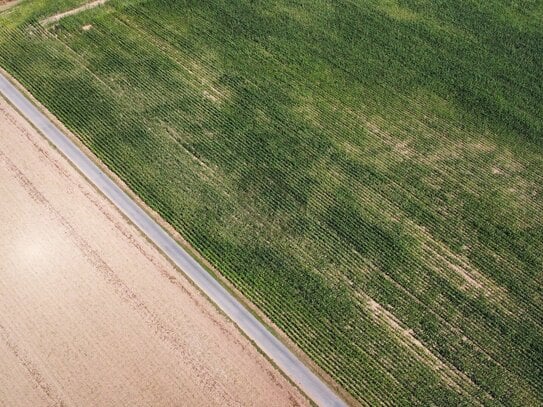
x,y
300,374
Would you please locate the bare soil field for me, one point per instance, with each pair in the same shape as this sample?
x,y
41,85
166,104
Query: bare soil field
x,y
92,314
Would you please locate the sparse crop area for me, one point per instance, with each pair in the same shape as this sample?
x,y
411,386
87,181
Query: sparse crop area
x,y
368,173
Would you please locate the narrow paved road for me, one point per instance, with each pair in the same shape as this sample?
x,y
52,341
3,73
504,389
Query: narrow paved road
x,y
315,388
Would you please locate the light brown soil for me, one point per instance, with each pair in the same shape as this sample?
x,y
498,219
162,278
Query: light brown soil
x,y
92,314
57,17
6,4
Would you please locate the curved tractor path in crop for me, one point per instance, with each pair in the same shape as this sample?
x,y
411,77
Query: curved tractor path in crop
x,y
300,374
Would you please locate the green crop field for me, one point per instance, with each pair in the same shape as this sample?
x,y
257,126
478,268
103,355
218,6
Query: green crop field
x,y
368,173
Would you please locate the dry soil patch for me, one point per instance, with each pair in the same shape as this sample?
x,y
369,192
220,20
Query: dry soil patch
x,y
57,17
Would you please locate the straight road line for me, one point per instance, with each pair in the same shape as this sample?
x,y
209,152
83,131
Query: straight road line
x,y
300,374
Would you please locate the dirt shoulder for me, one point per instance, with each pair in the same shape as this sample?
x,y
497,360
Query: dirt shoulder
x,y
57,17
6,4
92,314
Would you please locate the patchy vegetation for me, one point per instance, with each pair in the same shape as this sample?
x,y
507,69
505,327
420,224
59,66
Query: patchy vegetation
x,y
368,173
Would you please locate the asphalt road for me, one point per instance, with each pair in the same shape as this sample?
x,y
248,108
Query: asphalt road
x,y
315,388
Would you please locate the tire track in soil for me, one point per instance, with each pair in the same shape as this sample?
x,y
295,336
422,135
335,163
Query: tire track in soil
x,y
37,377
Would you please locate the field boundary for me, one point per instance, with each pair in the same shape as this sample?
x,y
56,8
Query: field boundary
x,y
59,16
9,4
195,256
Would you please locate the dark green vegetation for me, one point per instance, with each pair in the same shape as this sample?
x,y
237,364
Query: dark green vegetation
x,y
369,173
